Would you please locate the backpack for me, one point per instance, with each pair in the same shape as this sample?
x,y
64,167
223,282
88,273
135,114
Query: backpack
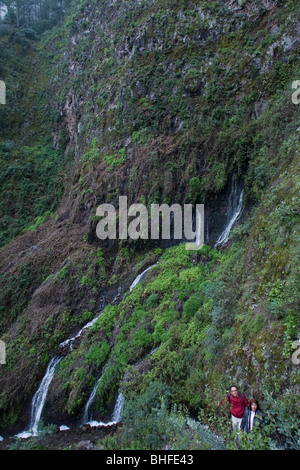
x,y
241,396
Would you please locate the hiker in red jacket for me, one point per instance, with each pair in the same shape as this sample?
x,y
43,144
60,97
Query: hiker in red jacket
x,y
238,403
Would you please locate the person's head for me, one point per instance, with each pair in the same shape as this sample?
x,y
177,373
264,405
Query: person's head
x,y
234,390
253,405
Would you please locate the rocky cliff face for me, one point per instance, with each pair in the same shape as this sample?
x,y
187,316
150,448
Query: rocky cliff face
x,y
161,102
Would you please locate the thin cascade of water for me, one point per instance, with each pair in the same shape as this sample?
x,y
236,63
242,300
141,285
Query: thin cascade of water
x,y
40,396
117,413
87,417
87,413
199,228
236,210
69,342
39,399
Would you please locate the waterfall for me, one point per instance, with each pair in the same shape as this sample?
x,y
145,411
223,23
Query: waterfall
x,y
69,342
39,399
86,414
235,211
117,414
140,277
40,396
117,295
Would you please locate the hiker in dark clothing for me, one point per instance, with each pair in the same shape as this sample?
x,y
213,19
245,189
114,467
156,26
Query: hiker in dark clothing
x,y
238,403
253,416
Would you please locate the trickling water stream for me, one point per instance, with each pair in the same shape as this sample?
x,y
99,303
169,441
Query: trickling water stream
x,y
41,394
117,414
69,342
